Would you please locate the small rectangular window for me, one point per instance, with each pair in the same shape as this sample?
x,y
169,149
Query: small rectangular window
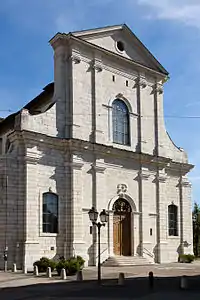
x,y
126,82
151,231
113,78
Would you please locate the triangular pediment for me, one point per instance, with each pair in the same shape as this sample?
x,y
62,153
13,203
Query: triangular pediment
x,y
121,40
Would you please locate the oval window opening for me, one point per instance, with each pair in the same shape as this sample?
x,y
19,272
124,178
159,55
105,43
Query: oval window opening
x,y
120,46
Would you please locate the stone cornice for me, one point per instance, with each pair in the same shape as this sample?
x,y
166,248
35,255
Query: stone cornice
x,y
34,138
117,57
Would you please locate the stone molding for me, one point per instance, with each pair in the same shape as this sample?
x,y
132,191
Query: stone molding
x,y
98,168
77,165
153,214
32,158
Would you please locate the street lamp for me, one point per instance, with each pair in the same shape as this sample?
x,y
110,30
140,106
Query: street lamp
x,y
93,215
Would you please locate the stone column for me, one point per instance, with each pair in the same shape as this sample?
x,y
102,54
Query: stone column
x,y
31,243
62,87
101,203
161,210
140,84
74,244
78,243
186,228
136,234
143,177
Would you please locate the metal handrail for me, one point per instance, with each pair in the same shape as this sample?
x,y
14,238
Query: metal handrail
x,y
148,252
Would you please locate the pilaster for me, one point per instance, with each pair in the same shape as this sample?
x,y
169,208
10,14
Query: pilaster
x,y
161,222
31,244
186,227
143,178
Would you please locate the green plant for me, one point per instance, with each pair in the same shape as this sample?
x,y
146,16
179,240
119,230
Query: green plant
x,y
186,258
44,263
62,264
71,265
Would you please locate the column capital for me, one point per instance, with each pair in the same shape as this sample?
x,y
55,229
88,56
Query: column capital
x,y
161,177
157,88
75,58
141,82
144,174
96,64
185,182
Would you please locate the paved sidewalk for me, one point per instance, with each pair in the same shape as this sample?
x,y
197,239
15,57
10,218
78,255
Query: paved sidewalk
x,y
18,286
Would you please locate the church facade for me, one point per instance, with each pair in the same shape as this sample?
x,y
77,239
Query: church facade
x,y
95,137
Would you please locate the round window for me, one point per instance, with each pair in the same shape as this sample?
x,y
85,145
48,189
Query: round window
x,y
120,46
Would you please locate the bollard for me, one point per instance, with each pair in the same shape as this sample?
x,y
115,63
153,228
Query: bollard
x,y
49,272
184,283
79,276
25,271
35,271
63,274
151,280
14,268
121,279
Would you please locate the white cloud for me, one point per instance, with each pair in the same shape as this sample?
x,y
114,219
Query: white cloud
x,y
184,11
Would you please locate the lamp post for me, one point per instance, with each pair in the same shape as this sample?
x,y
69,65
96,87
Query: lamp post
x,y
93,215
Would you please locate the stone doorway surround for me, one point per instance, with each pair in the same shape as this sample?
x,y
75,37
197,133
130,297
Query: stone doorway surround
x,y
135,215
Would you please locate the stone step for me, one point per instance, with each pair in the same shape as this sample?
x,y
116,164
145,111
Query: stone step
x,y
114,261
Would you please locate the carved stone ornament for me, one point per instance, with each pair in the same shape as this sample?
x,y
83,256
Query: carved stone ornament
x,y
121,188
76,59
185,182
144,174
140,81
97,65
161,177
158,88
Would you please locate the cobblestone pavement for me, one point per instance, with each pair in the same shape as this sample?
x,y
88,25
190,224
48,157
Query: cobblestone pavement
x,y
18,286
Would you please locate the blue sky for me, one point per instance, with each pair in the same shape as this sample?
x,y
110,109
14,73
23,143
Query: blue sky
x,y
169,28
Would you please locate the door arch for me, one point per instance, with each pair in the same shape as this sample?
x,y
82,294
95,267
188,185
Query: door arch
x,y
122,227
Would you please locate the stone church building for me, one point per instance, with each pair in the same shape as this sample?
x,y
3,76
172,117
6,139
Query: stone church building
x,y
95,137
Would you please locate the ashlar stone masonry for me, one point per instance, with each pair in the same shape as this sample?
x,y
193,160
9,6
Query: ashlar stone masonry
x,y
94,137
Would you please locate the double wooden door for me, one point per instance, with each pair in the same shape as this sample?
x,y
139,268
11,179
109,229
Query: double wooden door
x,y
122,233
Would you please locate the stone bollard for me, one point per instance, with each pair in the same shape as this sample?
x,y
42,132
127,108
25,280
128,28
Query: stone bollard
x,y
49,272
151,280
79,276
63,274
14,268
121,279
35,271
25,271
184,283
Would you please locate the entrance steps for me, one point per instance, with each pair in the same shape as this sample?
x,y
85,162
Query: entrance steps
x,y
123,261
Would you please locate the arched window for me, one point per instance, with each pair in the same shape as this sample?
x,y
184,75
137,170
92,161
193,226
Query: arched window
x,y
50,212
173,220
120,122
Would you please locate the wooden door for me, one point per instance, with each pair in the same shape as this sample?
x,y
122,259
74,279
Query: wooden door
x,y
122,234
